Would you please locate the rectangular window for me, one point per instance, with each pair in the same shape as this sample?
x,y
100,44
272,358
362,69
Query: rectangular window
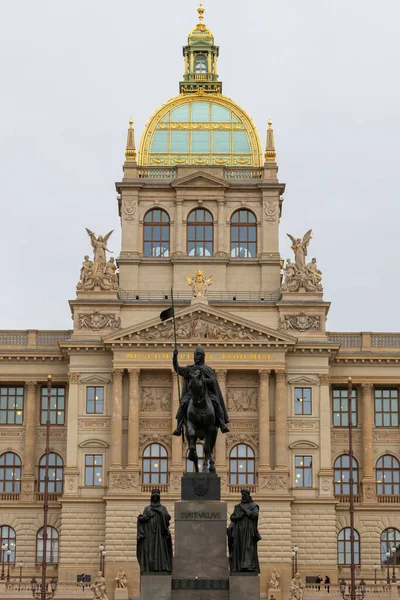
x,y
340,407
387,407
303,471
180,142
11,405
160,142
93,470
94,400
240,143
57,406
200,112
201,142
221,141
302,401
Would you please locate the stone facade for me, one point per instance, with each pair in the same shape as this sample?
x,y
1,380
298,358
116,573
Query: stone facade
x,y
264,341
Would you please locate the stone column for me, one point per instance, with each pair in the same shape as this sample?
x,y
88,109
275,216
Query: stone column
x,y
281,435
368,481
221,248
71,472
264,463
220,447
28,478
178,227
209,57
133,420
116,423
326,471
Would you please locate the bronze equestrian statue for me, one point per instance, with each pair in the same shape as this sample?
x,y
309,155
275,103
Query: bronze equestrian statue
x,y
202,408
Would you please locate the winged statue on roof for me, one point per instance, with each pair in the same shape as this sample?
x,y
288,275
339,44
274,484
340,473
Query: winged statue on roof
x,y
299,247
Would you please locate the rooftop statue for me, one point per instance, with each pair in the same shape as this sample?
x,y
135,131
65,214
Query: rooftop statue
x,y
199,284
299,275
98,273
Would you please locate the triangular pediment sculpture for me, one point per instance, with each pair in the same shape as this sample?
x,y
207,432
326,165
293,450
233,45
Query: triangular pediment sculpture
x,y
198,324
199,179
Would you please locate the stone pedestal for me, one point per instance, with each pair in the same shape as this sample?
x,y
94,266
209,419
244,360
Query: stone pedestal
x,y
244,586
121,594
277,594
154,586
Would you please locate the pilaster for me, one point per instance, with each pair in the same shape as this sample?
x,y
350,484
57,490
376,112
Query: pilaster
x,y
28,477
221,247
326,472
179,227
220,447
263,421
281,435
133,420
368,481
116,423
71,472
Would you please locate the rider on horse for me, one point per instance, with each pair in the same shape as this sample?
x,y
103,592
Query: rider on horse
x,y
213,390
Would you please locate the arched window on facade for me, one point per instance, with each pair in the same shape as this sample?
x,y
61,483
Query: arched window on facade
x,y
344,547
10,473
200,454
51,545
200,233
56,474
9,539
388,476
155,465
342,475
156,234
243,234
390,540
200,64
242,465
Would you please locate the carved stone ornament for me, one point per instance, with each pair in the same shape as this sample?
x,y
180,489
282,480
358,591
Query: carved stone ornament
x,y
324,379
273,482
242,400
98,274
198,328
97,321
71,484
74,377
327,484
175,480
199,284
154,438
123,481
300,322
299,275
270,211
129,209
155,399
242,438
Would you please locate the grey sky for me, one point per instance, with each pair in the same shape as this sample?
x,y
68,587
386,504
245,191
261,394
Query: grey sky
x,y
74,72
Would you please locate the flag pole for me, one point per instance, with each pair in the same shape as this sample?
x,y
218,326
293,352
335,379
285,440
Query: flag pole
x,y
176,348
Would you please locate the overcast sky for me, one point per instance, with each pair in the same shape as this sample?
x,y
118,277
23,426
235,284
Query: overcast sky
x,y
325,71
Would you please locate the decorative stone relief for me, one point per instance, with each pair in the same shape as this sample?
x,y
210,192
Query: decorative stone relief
x,y
273,482
242,438
94,423
175,482
155,399
154,438
71,483
270,211
243,425
154,424
129,209
97,321
327,485
300,322
295,423
74,378
242,400
27,489
123,481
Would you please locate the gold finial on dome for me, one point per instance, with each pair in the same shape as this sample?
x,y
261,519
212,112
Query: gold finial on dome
x,y
130,152
270,152
201,10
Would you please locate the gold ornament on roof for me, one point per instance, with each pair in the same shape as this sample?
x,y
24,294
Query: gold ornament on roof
x,y
270,152
199,284
201,30
130,152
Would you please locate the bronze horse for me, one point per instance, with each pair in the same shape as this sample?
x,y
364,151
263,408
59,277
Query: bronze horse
x,y
200,422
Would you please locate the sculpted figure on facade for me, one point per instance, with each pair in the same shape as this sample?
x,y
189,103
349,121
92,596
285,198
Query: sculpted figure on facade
x,y
242,400
297,588
299,275
199,284
300,322
273,583
154,543
243,536
120,580
98,273
98,587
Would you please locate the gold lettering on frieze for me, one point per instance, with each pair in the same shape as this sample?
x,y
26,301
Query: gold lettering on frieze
x,y
10,434
228,356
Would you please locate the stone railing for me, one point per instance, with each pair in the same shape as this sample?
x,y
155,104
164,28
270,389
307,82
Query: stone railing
x,y
347,340
13,338
385,340
9,497
345,499
51,497
365,340
186,295
157,173
148,487
243,173
237,489
388,499
51,338
32,338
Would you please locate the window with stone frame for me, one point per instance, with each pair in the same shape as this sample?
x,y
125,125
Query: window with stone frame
x,y
340,404
57,405
303,469
341,469
200,233
156,234
9,539
390,538
344,547
242,470
11,405
388,476
55,474
93,470
51,546
243,234
10,473
94,400
155,465
302,401
386,407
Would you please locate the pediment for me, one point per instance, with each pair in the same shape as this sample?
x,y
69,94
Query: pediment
x,y
200,180
303,380
202,324
93,444
306,444
95,379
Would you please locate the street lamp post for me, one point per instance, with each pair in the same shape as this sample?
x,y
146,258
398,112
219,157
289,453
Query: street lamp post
x,y
388,567
376,567
293,556
42,592
101,550
394,580
104,562
21,564
295,549
8,565
4,548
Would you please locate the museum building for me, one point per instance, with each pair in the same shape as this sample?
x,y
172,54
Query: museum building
x,y
200,204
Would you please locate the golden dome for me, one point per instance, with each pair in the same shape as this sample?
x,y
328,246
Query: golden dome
x,y
201,31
